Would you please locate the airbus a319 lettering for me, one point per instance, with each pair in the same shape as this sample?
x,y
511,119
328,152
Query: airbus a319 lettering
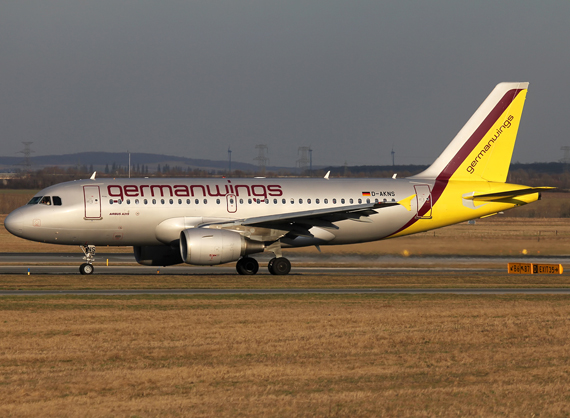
x,y
214,221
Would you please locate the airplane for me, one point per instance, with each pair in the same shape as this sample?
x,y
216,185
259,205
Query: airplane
x,y
211,221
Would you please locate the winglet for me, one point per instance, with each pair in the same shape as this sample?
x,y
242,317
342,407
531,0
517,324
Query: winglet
x,y
407,202
327,175
93,175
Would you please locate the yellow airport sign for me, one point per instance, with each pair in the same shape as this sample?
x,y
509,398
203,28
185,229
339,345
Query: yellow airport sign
x,y
530,268
547,268
520,268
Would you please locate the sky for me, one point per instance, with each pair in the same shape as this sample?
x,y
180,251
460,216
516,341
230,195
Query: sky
x,y
351,79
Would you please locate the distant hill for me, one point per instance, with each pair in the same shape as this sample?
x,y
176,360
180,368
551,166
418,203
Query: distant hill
x,y
100,159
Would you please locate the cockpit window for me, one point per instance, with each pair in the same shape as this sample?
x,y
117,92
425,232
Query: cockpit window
x,y
45,200
35,200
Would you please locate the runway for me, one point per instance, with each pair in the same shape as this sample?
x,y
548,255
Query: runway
x,y
121,264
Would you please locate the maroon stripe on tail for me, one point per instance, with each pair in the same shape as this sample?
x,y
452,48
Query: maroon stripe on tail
x,y
466,149
479,133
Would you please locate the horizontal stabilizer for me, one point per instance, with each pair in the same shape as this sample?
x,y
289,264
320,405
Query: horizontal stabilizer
x,y
507,194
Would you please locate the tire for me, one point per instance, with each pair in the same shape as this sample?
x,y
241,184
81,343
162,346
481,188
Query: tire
x,y
247,266
86,268
279,266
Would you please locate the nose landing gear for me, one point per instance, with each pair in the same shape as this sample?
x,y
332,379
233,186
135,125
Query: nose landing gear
x,y
87,267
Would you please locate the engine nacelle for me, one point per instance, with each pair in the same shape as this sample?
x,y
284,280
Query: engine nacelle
x,y
204,246
157,255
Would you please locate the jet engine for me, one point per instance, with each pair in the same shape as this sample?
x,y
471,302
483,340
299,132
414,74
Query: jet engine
x,y
204,246
157,255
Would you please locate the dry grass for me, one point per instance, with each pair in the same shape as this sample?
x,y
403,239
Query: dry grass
x,y
404,356
389,279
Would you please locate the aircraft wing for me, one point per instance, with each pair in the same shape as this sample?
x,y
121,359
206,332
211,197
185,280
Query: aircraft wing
x,y
272,227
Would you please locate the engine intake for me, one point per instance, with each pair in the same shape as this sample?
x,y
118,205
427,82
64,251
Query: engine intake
x,y
203,246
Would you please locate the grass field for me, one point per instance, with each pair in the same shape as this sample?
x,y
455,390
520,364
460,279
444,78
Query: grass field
x,y
305,356
301,355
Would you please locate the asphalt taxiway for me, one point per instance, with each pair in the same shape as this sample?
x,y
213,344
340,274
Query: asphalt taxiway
x,y
123,264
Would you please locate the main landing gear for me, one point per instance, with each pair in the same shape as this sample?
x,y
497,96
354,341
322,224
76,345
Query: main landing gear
x,y
87,267
278,266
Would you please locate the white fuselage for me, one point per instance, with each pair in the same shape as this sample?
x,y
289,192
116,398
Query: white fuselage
x,y
153,211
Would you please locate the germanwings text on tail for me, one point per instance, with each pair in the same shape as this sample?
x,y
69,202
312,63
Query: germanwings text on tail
x,y
213,221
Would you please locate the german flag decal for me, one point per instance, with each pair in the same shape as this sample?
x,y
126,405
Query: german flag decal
x,y
365,193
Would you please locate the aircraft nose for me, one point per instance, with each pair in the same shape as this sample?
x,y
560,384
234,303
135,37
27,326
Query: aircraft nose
x,y
14,223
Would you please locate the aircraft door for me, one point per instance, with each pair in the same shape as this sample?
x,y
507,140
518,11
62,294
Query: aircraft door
x,y
92,199
424,202
231,202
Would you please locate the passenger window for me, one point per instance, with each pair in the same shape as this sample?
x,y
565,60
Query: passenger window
x,y
367,200
300,201
317,201
179,201
249,201
241,201
351,200
110,201
57,201
275,201
128,201
136,201
171,201
145,202
205,201
267,201
359,200
154,201
334,201
375,200
258,201
218,201
196,201
326,201
162,201
342,201
283,201
292,201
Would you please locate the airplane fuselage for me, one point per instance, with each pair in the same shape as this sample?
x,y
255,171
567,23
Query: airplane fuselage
x,y
130,212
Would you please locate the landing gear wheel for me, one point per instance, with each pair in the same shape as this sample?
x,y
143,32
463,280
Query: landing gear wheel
x,y
247,266
279,266
86,268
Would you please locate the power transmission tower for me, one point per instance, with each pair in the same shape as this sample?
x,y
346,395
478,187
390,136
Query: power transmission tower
x,y
303,161
261,158
566,159
27,163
